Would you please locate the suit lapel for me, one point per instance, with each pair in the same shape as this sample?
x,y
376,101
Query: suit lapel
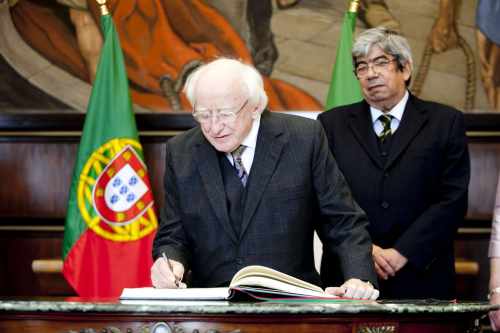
x,y
209,170
413,120
360,123
270,143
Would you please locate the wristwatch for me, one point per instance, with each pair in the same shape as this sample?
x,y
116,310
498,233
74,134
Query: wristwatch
x,y
494,291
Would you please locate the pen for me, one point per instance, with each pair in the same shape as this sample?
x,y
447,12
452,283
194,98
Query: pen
x,y
164,255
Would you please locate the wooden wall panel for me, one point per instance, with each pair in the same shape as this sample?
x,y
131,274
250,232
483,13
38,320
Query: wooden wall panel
x,y
485,165
36,176
19,248
37,154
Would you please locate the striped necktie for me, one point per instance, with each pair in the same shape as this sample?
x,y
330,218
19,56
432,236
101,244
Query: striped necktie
x,y
386,131
238,164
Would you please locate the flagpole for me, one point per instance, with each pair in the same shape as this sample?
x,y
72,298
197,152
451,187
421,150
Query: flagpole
x,y
107,248
353,6
104,9
344,86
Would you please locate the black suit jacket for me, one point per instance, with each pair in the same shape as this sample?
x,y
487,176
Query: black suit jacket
x,y
293,180
414,202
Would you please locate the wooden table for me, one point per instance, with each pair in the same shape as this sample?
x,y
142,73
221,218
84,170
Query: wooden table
x,y
111,316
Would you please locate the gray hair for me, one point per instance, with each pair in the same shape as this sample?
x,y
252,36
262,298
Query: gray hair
x,y
250,78
389,41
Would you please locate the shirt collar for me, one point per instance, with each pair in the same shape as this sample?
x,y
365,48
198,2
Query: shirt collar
x,y
397,111
250,140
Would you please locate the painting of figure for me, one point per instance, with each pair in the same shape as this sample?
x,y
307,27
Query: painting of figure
x,y
49,50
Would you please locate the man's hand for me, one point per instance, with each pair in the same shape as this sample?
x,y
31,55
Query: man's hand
x,y
387,261
495,315
164,277
354,288
494,297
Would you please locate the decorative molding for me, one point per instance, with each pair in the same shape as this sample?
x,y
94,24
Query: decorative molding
x,y
376,328
158,327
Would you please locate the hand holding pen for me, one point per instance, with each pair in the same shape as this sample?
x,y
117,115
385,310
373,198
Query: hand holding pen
x,y
167,273
177,280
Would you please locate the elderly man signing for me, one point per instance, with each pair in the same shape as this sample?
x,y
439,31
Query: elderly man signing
x,y
248,187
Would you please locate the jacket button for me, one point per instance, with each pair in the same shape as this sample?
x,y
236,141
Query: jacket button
x,y
385,204
239,261
386,174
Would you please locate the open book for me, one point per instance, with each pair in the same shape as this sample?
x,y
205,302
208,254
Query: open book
x,y
249,283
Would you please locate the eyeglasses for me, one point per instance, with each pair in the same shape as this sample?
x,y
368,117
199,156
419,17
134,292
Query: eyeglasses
x,y
378,64
225,115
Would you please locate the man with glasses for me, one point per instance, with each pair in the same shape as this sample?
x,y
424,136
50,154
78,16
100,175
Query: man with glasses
x,y
249,187
407,163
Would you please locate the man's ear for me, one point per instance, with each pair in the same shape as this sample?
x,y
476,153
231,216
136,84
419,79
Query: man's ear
x,y
255,113
257,110
406,69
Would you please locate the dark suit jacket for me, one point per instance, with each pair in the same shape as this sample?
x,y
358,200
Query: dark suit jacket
x,y
414,202
293,180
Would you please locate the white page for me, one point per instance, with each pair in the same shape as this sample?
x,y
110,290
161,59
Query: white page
x,y
258,281
175,302
175,294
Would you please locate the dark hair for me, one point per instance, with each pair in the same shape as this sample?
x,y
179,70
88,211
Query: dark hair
x,y
389,41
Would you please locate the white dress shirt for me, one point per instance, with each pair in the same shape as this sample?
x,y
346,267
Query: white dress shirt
x,y
250,142
396,112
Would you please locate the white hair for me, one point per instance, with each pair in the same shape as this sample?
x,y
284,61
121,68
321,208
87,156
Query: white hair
x,y
250,78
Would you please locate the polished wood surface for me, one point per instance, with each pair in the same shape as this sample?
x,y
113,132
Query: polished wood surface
x,y
355,317
125,323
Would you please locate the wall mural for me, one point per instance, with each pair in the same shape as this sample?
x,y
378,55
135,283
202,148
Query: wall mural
x,y
49,49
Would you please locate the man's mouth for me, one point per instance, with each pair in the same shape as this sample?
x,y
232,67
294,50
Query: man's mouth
x,y
375,85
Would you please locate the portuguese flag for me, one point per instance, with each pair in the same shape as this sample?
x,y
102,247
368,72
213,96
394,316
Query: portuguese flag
x,y
344,86
110,222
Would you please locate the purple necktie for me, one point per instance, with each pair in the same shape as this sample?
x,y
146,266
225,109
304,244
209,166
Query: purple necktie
x,y
238,164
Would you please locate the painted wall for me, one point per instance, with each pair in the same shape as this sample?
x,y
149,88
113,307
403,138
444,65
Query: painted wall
x,y
49,50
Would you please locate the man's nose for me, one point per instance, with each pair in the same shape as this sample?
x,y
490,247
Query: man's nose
x,y
215,124
372,72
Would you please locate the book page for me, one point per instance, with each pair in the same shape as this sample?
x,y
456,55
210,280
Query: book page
x,y
266,272
271,283
175,294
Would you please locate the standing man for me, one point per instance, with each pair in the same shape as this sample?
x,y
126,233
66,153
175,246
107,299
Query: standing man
x,y
407,163
249,188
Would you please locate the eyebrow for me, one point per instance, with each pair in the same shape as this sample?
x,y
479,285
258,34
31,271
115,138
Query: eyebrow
x,y
217,109
376,58
224,108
